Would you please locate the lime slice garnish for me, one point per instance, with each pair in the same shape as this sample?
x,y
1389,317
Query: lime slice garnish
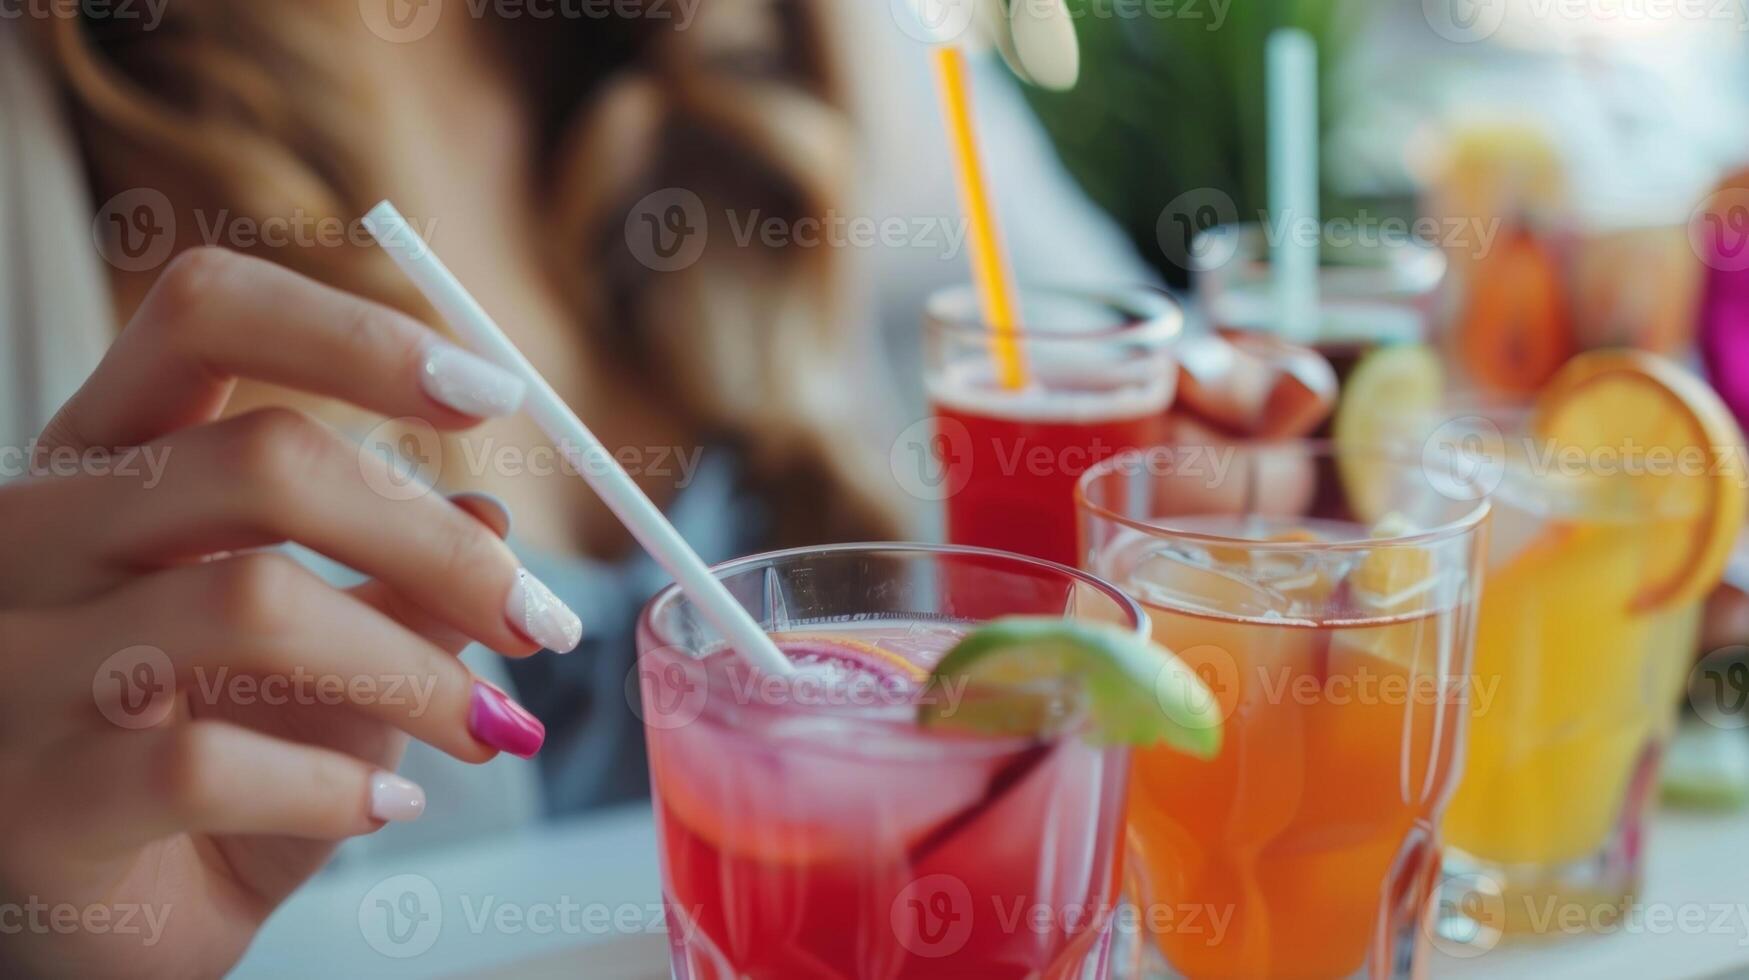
x,y
1011,675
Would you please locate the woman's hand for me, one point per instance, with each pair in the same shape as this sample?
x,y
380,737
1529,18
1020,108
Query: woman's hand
x,y
188,723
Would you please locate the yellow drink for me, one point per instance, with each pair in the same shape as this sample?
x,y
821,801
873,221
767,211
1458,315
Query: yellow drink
x,y
1586,681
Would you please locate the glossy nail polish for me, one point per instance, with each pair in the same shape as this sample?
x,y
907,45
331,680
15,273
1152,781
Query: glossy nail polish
x,y
394,799
503,724
535,612
469,384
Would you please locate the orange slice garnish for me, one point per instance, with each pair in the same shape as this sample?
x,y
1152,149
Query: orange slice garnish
x,y
1661,440
1516,330
856,652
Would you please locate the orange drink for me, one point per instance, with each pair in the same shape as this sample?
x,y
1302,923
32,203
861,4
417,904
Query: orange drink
x,y
1336,640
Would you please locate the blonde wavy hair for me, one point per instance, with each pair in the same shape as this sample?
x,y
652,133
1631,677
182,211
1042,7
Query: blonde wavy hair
x,y
250,108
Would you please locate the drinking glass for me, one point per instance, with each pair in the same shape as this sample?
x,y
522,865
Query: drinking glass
x,y
1374,289
1548,824
1335,633
1098,374
810,828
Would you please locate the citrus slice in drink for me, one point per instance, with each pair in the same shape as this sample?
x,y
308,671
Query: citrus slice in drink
x,y
1517,329
1011,674
1662,437
1390,390
789,799
1394,577
858,655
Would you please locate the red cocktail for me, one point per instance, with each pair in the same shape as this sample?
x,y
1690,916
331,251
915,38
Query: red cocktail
x,y
810,827
1098,375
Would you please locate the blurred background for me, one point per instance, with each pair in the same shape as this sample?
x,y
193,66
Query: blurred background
x,y
1579,166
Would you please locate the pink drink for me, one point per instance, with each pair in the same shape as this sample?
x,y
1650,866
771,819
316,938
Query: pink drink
x,y
810,828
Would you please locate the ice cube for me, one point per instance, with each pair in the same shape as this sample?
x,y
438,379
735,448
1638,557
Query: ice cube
x,y
1194,583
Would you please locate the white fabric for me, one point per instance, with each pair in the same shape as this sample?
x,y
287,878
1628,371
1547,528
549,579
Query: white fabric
x,y
55,317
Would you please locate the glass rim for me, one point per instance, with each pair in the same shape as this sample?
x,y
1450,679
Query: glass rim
x,y
1153,315
1468,523
1523,482
743,719
1420,265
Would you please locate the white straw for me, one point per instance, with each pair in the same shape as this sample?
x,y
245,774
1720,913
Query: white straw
x,y
581,449
1293,180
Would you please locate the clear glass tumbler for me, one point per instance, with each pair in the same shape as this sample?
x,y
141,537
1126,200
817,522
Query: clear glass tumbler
x,y
1335,632
810,828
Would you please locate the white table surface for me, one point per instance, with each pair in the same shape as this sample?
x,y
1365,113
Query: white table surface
x,y
542,905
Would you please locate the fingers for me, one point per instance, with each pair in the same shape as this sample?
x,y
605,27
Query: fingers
x,y
276,475
215,316
1254,385
117,790
260,631
495,517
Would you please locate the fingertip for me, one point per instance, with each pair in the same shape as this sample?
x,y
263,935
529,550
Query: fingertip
x,y
394,798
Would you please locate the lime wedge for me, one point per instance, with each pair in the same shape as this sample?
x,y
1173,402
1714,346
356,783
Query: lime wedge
x,y
1391,390
1011,675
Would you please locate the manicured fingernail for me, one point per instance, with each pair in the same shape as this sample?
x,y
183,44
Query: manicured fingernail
x,y
469,384
394,799
502,723
539,615
487,508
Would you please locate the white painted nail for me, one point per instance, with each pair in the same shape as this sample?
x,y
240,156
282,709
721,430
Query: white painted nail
x,y
394,799
470,385
539,614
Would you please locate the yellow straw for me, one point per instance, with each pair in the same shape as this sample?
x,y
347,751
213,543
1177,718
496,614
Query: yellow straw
x,y
990,273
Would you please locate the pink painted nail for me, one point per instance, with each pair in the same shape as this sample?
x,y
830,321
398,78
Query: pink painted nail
x,y
535,612
394,799
502,723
